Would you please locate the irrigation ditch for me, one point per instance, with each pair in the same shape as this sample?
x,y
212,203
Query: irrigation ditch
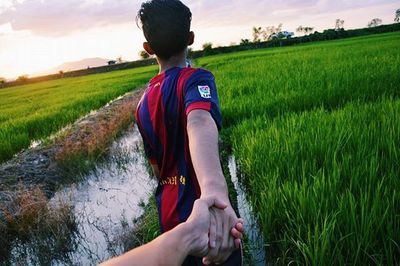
x,y
78,198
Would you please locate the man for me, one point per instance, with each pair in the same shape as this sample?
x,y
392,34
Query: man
x,y
178,118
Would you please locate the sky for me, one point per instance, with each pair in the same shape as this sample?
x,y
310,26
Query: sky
x,y
36,35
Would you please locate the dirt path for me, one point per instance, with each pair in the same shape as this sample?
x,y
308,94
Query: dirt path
x,y
89,137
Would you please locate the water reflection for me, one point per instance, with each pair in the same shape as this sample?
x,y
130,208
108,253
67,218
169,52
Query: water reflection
x,y
104,206
108,201
252,230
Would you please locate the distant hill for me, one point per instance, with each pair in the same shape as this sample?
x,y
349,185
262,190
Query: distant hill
x,y
71,66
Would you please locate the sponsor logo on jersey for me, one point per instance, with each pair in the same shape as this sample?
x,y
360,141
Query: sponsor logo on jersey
x,y
205,92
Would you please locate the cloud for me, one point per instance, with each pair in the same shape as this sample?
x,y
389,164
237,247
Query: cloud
x,y
60,17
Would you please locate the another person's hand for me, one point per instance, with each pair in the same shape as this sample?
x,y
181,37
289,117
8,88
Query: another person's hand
x,y
199,224
225,235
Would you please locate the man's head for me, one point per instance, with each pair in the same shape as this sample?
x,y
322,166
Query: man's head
x,y
166,27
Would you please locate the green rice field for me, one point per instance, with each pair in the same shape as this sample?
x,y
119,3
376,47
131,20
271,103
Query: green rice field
x,y
34,112
315,129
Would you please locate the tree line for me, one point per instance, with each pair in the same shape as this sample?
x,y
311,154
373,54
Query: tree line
x,y
274,34
269,37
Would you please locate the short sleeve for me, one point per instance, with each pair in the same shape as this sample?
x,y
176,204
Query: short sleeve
x,y
201,93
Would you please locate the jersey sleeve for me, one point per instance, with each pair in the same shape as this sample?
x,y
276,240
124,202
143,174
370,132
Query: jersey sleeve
x,y
201,93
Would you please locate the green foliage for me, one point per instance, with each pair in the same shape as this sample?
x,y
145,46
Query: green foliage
x,y
144,55
316,130
331,34
207,48
2,80
244,41
35,111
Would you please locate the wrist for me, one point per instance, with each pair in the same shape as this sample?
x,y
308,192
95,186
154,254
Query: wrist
x,y
218,191
185,234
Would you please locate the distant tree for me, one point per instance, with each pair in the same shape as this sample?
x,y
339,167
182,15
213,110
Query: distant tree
x,y
271,31
61,73
339,24
120,60
397,18
257,32
375,22
22,78
244,41
305,30
144,55
207,48
2,80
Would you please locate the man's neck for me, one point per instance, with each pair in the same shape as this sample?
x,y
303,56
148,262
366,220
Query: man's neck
x,y
175,61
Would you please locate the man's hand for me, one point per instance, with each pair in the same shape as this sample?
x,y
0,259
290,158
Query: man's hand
x,y
225,234
199,224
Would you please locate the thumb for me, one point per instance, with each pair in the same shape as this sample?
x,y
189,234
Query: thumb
x,y
214,202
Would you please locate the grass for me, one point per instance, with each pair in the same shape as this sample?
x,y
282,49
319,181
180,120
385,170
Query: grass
x,y
32,231
316,129
326,183
34,112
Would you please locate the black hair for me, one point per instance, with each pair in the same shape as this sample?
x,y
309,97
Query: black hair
x,y
166,26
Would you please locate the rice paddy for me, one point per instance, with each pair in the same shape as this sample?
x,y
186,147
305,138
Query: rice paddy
x,y
315,128
35,111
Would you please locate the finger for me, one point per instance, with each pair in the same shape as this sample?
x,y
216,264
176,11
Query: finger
x,y
206,261
227,242
240,227
213,230
236,234
238,243
214,202
214,253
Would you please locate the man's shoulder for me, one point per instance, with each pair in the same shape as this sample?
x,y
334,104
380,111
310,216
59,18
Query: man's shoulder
x,y
197,74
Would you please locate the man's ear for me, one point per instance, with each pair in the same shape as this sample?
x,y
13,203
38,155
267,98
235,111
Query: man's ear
x,y
148,49
191,38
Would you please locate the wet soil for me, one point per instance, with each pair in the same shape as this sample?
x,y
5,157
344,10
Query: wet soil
x,y
44,166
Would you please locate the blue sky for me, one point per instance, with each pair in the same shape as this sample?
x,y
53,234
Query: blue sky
x,y
38,34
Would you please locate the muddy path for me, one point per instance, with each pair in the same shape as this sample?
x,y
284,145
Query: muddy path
x,y
47,165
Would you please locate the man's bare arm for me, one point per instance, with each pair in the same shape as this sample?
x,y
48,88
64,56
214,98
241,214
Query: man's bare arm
x,y
203,144
172,248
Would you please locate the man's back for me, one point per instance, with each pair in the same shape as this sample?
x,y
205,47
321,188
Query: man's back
x,y
162,120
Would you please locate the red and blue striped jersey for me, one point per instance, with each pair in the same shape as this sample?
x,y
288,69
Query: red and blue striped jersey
x,y
162,119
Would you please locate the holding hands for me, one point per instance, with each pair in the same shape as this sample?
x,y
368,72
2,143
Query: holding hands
x,y
216,229
210,219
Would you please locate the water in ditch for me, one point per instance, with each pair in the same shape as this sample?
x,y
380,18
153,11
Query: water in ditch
x,y
105,204
255,238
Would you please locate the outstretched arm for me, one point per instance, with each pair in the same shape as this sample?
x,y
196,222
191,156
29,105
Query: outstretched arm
x,y
203,143
172,248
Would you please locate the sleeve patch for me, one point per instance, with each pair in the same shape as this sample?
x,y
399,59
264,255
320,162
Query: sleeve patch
x,y
205,92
